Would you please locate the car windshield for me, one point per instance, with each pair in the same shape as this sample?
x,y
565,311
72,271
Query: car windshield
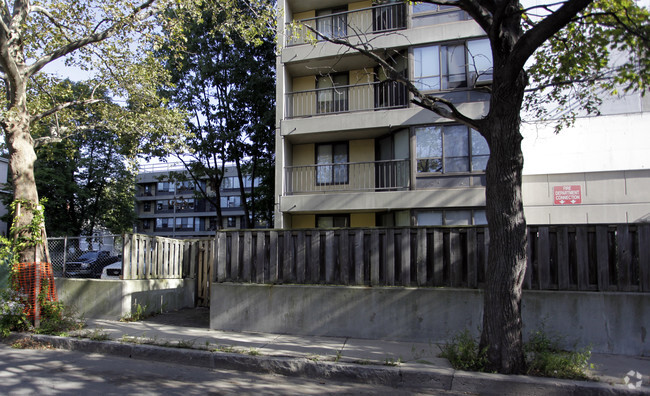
x,y
89,256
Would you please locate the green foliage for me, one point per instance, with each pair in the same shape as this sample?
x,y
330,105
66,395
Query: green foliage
x,y
605,51
228,84
12,312
86,177
463,353
57,318
546,359
138,313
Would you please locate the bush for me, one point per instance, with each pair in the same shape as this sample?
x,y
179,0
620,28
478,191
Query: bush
x,y
12,312
463,353
546,359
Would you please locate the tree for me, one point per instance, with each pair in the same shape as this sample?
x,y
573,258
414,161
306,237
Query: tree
x,y
94,35
85,177
227,84
515,35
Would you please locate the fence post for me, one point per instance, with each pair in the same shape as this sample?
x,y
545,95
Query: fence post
x,y
406,256
65,254
643,235
422,257
221,256
358,257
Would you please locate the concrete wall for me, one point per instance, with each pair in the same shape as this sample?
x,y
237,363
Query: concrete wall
x,y
113,299
608,322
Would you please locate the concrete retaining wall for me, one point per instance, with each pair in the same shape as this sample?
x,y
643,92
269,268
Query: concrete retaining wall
x,y
113,299
607,322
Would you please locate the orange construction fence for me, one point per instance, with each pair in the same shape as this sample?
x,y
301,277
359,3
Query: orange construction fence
x,y
33,279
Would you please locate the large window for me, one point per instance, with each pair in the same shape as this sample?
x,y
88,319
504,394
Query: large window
x,y
332,22
326,154
164,223
165,187
443,67
332,93
184,223
332,221
450,149
232,201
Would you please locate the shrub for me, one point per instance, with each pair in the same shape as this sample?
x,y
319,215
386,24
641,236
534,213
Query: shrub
x,y
546,359
463,353
12,312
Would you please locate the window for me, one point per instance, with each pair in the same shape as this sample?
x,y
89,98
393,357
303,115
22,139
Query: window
x,y
230,183
450,217
450,149
165,187
231,222
185,223
147,190
442,67
146,207
332,221
388,15
145,224
164,223
185,186
425,14
233,201
332,93
332,22
336,153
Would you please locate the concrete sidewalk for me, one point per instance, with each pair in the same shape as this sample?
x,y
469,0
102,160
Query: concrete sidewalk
x,y
372,361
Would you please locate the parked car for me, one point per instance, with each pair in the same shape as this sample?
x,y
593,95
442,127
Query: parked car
x,y
112,271
90,264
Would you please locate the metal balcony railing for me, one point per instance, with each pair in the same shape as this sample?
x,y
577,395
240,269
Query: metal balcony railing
x,y
377,19
346,98
389,175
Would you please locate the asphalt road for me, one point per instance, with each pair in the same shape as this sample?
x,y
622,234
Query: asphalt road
x,y
61,372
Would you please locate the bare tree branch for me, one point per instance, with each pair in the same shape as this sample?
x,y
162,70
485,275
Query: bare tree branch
x,y
442,107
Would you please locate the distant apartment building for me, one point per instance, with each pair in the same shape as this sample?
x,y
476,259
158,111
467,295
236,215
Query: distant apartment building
x,y
175,209
353,151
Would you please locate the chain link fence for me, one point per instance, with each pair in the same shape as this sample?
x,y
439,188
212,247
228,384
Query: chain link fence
x,y
86,256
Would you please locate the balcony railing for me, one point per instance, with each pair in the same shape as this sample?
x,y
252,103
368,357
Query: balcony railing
x,y
377,19
390,175
379,95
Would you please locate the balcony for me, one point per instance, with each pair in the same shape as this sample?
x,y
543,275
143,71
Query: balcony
x,y
389,175
377,19
379,95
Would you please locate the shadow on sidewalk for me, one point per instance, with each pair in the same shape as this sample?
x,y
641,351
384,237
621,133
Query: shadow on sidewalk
x,y
187,317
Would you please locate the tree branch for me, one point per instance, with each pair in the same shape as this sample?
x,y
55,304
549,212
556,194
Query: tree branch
x,y
447,110
62,106
92,38
535,37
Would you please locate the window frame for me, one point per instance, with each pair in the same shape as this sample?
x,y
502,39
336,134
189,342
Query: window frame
x,y
444,212
444,83
333,165
333,105
344,216
470,157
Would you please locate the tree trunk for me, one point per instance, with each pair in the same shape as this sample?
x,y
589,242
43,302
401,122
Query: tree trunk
x,y
502,325
21,166
242,194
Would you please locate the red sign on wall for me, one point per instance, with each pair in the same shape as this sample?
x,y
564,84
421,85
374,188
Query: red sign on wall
x,y
567,195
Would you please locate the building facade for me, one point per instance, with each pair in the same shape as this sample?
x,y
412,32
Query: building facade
x,y
353,151
175,209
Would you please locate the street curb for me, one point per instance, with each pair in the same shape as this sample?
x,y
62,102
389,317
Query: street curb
x,y
425,377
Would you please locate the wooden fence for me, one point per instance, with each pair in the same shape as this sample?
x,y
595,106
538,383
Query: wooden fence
x,y
581,257
150,257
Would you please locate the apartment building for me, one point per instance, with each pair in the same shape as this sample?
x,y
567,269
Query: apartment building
x,y
353,151
168,208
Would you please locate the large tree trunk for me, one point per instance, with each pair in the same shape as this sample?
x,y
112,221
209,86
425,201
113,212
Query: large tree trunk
x,y
502,325
21,165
